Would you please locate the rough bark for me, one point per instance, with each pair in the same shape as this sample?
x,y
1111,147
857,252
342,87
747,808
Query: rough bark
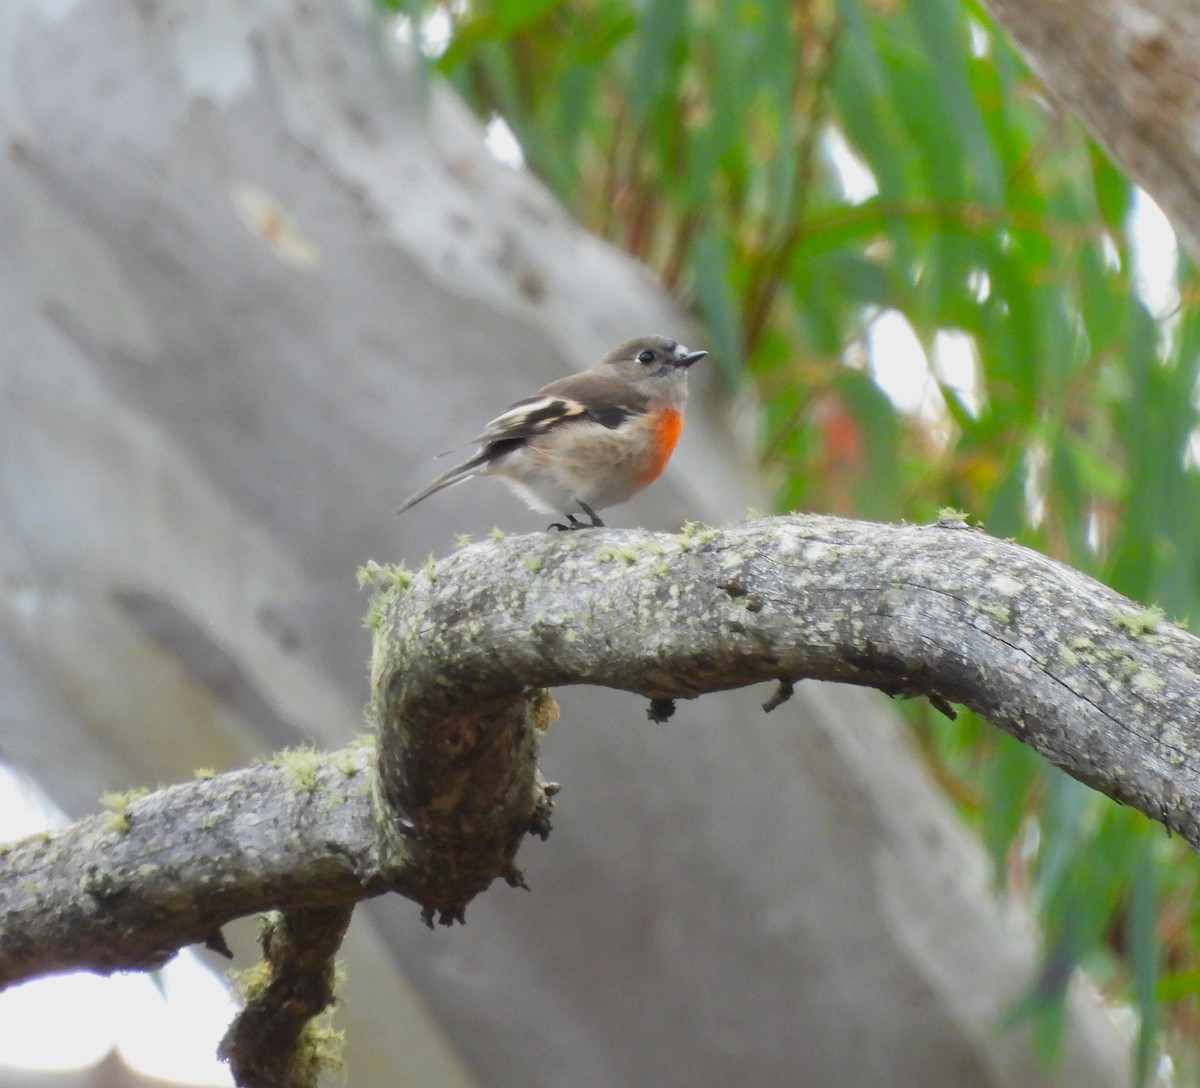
x,y
1098,685
129,887
1129,70
1093,682
275,1042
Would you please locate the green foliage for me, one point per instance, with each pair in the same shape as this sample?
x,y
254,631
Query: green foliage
x,y
704,138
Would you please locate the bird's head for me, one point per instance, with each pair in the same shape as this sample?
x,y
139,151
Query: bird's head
x,y
648,357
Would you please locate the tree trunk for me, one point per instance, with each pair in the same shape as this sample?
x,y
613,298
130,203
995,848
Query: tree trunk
x,y
1131,73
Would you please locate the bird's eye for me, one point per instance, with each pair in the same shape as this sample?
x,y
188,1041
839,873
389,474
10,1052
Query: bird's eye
x,y
646,357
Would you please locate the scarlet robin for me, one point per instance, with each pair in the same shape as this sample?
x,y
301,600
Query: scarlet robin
x,y
590,440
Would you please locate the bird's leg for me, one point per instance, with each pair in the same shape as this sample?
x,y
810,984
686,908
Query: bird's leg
x,y
596,522
574,523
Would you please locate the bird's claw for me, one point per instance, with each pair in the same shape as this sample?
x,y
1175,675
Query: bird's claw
x,y
574,523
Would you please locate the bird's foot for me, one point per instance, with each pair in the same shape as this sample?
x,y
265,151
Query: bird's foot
x,y
574,523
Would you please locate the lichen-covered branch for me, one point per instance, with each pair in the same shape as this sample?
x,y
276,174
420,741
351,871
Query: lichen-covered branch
x,y
131,886
1101,687
275,1041
465,650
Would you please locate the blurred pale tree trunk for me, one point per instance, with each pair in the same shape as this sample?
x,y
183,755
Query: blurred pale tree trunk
x,y
250,278
1129,72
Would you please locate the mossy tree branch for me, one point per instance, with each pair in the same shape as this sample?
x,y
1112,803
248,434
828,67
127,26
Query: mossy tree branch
x,y
1100,686
274,1042
465,650
130,887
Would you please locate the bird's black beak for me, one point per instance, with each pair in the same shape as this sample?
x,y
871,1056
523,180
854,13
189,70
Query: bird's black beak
x,y
691,357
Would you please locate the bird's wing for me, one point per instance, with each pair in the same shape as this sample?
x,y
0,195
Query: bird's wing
x,y
531,416
580,397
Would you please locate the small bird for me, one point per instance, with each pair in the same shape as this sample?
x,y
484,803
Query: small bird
x,y
590,440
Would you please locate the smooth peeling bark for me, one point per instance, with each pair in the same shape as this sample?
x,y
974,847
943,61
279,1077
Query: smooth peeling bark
x,y
1130,71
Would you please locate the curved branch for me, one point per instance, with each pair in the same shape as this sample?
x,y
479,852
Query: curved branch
x,y
1096,684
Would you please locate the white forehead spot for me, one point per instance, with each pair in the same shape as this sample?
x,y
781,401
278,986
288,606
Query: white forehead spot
x,y
681,351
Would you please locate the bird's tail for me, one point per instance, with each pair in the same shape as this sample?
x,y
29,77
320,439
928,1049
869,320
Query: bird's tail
x,y
456,475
